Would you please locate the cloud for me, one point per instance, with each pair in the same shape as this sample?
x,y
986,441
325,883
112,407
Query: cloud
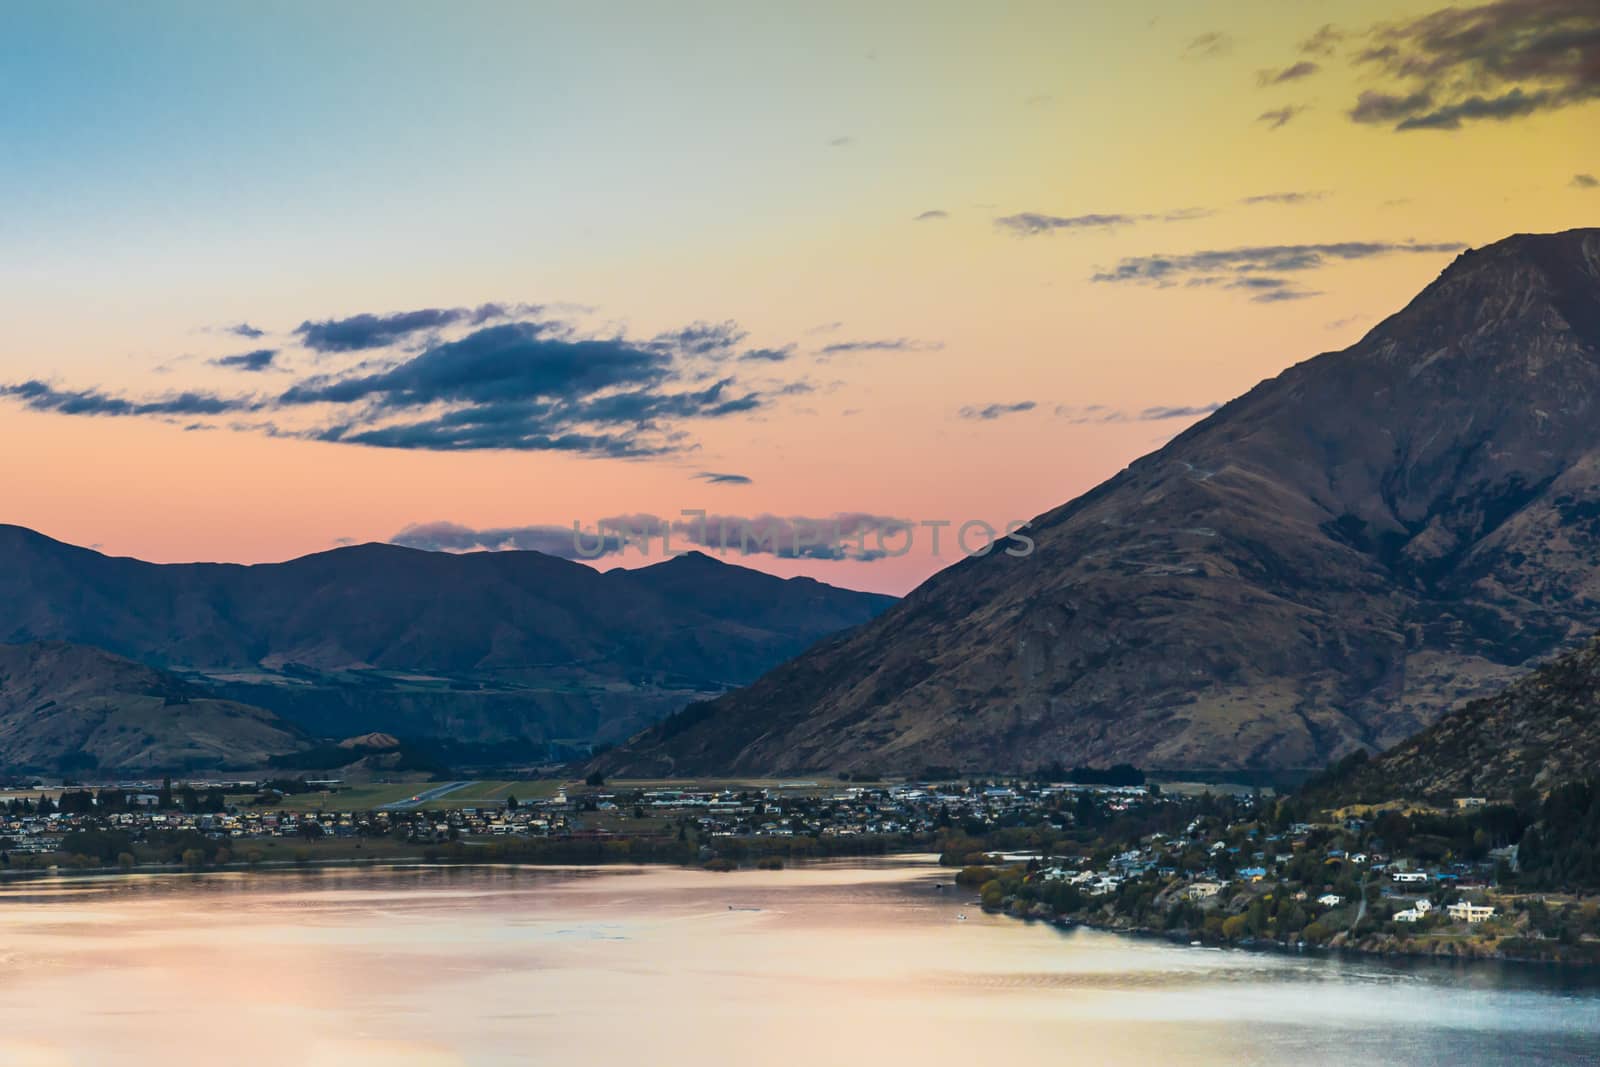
x,y
1258,268
256,361
1091,414
368,331
1585,181
1285,198
1208,45
1033,223
891,344
989,412
517,385
1278,118
842,536
841,142
244,329
1324,42
717,478
1294,72
39,396
700,339
931,216
767,355
1159,414
1496,62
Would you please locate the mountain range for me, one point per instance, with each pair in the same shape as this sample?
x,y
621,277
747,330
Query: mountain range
x,y
477,647
1327,563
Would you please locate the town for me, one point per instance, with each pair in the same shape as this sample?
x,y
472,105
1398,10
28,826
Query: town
x,y
1233,866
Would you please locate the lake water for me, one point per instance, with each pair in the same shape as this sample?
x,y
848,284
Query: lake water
x,y
821,966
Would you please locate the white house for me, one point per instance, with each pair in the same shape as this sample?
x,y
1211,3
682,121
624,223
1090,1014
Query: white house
x,y
1472,913
1330,900
1410,915
1410,876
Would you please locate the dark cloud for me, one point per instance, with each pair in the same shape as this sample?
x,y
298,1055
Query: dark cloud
x,y
1260,268
523,385
719,478
1208,45
892,344
367,331
244,329
1278,118
1033,223
39,396
1294,72
995,411
1284,198
931,216
558,541
1585,181
1495,61
258,360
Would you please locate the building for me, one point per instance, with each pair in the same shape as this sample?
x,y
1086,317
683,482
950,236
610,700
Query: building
x,y
1471,913
1330,900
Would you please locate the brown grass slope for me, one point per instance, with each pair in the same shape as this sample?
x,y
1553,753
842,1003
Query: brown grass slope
x,y
93,710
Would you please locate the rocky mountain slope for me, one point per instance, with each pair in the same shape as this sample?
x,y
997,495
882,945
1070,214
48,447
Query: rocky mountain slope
x,y
77,709
479,647
1542,731
1325,564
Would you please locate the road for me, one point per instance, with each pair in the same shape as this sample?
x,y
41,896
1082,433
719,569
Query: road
x,y
422,798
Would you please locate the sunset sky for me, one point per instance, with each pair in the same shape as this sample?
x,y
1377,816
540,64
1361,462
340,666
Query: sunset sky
x,y
281,277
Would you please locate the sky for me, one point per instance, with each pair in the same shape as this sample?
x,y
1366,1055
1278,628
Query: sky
x,y
283,277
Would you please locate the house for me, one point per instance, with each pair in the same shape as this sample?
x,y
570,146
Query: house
x,y
1471,913
1411,877
1471,802
1410,915
1330,900
1203,890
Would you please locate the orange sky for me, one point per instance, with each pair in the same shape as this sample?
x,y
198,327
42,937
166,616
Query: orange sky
x,y
637,176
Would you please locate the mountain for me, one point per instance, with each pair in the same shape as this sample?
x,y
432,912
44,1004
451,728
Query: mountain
x,y
479,647
1541,732
1327,563
73,708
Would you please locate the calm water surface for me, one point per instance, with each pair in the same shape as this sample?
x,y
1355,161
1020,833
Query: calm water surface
x,y
828,965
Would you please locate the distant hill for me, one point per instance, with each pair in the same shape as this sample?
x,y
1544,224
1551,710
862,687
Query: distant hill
x,y
1325,564
1541,732
77,709
478,647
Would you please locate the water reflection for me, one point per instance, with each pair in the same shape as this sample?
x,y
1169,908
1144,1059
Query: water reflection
x,y
835,963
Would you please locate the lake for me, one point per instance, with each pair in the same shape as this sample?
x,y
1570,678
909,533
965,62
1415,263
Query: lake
x,y
839,963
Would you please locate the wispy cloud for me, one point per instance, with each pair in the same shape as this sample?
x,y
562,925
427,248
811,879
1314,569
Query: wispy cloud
x,y
1034,224
256,361
1258,269
1294,72
720,478
1280,117
244,329
887,344
1585,181
1091,414
369,331
1298,197
1208,45
1324,42
989,412
931,216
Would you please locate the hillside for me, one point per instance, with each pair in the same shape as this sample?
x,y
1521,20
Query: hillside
x,y
1542,731
480,647
72,708
1325,564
